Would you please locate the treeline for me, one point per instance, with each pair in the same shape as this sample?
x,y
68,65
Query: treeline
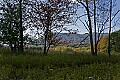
x,y
47,18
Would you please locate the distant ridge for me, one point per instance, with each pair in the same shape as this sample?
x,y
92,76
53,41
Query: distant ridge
x,y
76,38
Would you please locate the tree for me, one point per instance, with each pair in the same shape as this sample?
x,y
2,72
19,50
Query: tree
x,y
21,27
101,20
49,17
109,36
9,23
98,15
86,6
104,17
95,27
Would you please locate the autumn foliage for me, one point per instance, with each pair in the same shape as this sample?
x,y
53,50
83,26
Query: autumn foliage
x,y
114,41
103,44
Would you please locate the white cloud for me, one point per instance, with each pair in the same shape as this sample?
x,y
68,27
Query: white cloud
x,y
74,0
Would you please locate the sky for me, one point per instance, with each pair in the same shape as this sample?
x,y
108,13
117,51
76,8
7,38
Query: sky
x,y
118,8
83,30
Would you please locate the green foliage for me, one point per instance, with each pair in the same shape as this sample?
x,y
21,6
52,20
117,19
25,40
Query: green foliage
x,y
115,41
9,23
10,30
30,66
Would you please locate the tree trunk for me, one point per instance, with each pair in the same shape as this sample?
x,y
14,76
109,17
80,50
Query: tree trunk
x,y
48,48
10,44
90,28
45,41
109,46
21,28
95,27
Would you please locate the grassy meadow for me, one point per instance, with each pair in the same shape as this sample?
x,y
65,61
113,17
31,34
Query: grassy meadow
x,y
58,66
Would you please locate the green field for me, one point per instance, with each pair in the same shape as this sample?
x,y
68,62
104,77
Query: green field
x,y
34,66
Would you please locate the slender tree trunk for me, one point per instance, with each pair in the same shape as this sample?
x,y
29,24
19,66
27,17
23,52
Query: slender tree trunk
x,y
45,41
21,28
48,48
10,44
15,46
91,42
50,41
95,27
47,45
109,46
90,28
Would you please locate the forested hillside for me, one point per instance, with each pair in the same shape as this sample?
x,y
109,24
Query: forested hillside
x,y
115,43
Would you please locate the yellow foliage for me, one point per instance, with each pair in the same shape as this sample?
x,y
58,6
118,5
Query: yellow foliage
x,y
66,49
103,44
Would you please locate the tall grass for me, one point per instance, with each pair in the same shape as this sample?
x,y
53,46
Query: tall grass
x,y
30,66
